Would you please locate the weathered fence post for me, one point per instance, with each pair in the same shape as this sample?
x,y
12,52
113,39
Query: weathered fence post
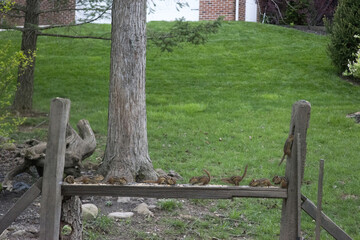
x,y
319,200
290,216
53,169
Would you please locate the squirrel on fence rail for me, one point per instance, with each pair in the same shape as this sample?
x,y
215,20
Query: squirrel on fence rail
x,y
201,180
262,182
287,147
283,181
235,179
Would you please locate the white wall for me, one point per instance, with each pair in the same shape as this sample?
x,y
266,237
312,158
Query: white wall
x,y
251,10
165,10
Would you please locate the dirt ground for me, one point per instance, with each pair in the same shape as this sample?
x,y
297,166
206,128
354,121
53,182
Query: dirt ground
x,y
27,225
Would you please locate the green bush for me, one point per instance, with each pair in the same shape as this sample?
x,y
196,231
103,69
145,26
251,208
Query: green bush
x,y
354,66
296,12
346,24
9,67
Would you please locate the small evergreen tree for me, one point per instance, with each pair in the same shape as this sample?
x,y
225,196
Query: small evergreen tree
x,y
346,24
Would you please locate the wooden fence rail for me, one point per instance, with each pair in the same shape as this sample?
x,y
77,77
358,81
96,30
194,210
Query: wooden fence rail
x,y
53,189
179,191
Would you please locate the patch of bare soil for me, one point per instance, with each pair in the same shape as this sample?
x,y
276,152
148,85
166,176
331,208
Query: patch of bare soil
x,y
27,225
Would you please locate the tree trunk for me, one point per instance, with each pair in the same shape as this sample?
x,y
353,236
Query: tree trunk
x,y
71,215
24,93
126,153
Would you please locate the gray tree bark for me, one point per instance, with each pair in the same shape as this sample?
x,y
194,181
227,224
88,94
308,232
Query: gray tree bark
x,y
71,216
24,93
126,152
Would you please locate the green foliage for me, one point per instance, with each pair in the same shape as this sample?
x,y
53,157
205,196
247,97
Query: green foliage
x,y
169,205
98,228
183,31
346,24
6,5
354,66
9,67
66,230
296,12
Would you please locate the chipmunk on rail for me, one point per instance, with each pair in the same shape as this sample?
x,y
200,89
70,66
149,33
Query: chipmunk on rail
x,y
235,179
201,180
262,182
280,180
163,180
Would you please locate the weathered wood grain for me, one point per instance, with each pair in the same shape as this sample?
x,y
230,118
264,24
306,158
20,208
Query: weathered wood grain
x,y
331,227
178,191
24,201
298,192
53,171
319,200
290,219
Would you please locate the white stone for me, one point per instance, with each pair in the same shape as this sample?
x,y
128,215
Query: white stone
x,y
144,210
22,234
123,199
120,215
4,234
89,211
152,206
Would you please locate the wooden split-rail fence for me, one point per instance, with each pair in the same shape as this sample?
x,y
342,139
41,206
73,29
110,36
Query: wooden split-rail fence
x,y
52,190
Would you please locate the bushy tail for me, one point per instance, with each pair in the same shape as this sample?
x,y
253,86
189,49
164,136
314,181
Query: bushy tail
x,y
244,172
207,173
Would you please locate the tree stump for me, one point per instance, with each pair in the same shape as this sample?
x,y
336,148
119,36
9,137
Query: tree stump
x,y
78,147
71,216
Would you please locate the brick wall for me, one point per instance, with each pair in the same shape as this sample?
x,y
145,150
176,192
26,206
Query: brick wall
x,y
212,9
51,18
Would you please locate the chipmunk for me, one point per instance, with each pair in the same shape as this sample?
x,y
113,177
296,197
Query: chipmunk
x,y
89,179
201,180
117,180
163,180
287,147
262,182
280,180
235,179
69,179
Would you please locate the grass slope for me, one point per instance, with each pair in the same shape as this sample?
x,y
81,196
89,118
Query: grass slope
x,y
221,106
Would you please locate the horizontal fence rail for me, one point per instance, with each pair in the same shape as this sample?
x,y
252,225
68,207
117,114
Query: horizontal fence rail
x,y
178,191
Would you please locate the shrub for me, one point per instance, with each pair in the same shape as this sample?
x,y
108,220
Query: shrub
x,y
9,64
296,12
346,24
354,66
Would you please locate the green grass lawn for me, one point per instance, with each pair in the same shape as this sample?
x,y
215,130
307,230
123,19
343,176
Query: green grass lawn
x,y
221,106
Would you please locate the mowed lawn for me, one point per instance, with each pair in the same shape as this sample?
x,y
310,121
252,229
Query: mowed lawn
x,y
221,106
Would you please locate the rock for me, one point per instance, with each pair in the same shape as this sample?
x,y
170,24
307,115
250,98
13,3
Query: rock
x,y
152,206
4,234
175,175
121,215
144,210
22,234
123,199
89,211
